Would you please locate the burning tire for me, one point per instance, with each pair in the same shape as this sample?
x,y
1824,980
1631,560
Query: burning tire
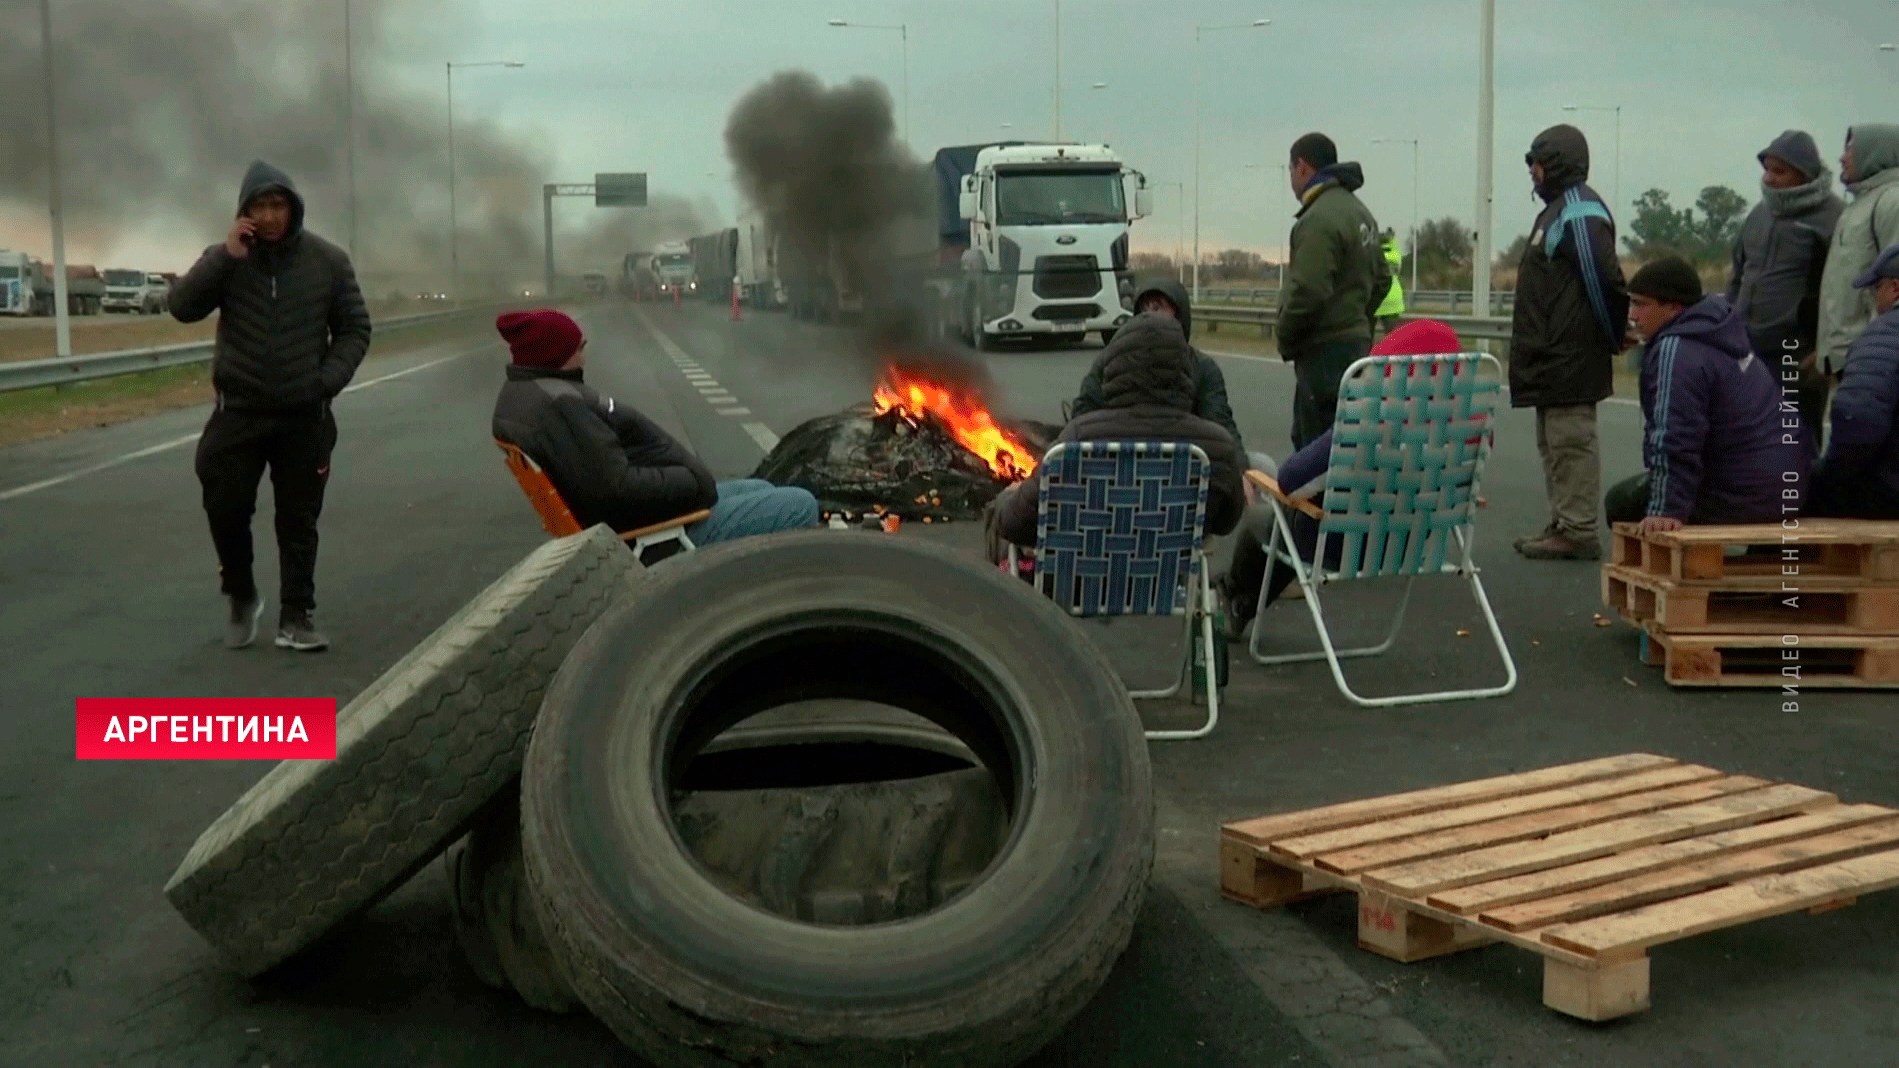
x,y
686,974
420,752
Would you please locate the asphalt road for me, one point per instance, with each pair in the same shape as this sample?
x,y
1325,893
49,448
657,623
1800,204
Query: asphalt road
x,y
110,590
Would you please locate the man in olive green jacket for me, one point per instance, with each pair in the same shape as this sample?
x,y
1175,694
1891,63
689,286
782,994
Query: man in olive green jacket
x,y
1332,289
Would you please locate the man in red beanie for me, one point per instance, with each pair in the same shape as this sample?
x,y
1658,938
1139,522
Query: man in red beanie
x,y
1303,477
610,463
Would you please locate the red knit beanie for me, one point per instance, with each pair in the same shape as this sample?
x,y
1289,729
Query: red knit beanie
x,y
543,338
1420,337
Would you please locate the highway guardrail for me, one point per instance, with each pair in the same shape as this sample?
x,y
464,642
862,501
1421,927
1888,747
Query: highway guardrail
x,y
1470,327
1455,301
91,367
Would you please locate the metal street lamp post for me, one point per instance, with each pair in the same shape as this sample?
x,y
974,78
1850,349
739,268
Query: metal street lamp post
x,y
1180,227
903,30
349,123
454,253
62,321
1486,148
1617,108
1198,31
1416,223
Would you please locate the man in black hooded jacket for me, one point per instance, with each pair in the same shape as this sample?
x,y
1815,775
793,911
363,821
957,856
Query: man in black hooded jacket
x,y
292,329
1779,261
1168,297
1570,321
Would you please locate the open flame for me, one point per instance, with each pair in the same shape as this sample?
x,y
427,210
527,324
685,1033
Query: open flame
x,y
962,413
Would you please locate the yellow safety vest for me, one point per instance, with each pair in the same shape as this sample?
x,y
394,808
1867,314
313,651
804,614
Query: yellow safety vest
x,y
1394,300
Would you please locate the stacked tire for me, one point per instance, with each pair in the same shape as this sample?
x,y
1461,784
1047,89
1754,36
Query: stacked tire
x,y
1009,913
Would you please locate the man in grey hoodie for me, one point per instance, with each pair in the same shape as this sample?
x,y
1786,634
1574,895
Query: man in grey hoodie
x,y
1779,260
1870,223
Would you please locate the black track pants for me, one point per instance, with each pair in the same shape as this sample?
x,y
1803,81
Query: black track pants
x,y
233,452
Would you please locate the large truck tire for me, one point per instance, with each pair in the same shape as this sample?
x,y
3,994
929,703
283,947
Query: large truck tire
x,y
419,753
688,975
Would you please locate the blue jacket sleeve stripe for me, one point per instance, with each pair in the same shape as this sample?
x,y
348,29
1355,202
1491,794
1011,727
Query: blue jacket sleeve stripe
x,y
1577,214
1657,450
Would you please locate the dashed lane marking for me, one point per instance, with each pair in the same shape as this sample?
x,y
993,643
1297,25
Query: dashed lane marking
x,y
722,400
166,446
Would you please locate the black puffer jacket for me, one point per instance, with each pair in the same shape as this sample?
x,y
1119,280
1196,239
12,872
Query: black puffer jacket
x,y
1572,303
611,464
1209,382
1147,389
292,323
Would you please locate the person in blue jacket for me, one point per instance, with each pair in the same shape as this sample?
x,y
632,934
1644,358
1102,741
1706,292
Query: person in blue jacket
x,y
1859,476
1720,445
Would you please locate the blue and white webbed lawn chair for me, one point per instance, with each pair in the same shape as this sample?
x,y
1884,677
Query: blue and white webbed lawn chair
x,y
1121,531
1409,443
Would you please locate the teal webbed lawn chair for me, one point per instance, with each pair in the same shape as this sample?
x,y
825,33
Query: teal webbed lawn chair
x,y
1410,441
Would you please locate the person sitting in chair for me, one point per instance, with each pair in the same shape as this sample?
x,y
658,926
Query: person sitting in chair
x,y
1147,394
612,464
1301,478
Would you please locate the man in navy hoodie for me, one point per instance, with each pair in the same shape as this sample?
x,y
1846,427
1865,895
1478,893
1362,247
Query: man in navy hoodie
x,y
1718,447
1859,478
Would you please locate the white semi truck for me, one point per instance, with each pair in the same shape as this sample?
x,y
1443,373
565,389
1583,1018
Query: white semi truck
x,y
1048,240
758,282
139,292
672,265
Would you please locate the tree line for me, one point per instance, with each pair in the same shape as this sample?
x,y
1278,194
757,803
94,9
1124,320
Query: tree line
x,y
1445,249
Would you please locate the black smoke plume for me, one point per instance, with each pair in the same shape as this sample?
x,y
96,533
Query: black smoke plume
x,y
825,170
162,104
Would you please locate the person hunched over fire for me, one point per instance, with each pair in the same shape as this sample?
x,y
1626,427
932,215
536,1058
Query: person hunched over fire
x,y
612,464
1147,394
1168,297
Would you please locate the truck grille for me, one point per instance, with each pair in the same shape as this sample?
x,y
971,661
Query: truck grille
x,y
1067,277
1067,313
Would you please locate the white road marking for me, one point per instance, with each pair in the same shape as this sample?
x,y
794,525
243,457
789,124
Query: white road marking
x,y
166,446
734,411
1274,361
761,434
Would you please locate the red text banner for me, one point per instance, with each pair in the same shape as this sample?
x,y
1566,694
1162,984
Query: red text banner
x,y
206,728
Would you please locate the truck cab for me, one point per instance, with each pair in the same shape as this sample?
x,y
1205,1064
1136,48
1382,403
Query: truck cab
x,y
139,292
19,293
672,266
1048,241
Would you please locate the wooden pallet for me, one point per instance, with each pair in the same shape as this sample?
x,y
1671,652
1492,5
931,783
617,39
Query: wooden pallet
x,y
1793,606
1589,865
1826,661
1860,550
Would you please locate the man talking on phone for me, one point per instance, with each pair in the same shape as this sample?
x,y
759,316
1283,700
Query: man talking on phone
x,y
292,329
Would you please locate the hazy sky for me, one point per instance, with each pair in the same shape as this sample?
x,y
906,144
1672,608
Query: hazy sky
x,y
1703,86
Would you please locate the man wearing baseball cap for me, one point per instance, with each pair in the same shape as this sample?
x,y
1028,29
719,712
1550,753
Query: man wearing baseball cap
x,y
610,463
1859,476
1716,448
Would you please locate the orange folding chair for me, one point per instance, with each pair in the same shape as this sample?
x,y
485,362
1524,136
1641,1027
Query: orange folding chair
x,y
559,521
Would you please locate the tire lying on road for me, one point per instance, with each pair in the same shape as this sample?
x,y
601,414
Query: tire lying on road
x,y
688,975
496,921
420,752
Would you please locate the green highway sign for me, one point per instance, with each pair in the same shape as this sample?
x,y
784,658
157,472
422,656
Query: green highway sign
x,y
619,190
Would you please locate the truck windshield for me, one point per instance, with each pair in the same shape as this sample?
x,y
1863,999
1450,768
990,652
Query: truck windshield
x,y
1060,198
9,272
677,259
124,278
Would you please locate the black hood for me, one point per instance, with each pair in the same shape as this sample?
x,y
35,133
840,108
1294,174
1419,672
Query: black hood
x,y
1148,363
263,178
1176,295
1564,153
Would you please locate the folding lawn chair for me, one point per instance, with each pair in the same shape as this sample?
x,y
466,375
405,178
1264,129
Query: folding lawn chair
x,y
1409,445
1121,531
558,520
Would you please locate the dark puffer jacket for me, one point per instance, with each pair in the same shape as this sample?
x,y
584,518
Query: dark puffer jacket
x,y
1209,382
1717,447
292,323
1572,303
1865,444
611,464
1780,255
1147,389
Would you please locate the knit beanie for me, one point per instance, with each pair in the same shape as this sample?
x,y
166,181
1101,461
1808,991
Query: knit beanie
x,y
1420,337
542,338
1670,280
